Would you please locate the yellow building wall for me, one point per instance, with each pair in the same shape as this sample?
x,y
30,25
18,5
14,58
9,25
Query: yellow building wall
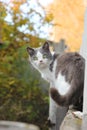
x,y
68,21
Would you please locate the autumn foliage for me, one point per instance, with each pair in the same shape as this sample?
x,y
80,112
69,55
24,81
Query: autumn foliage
x,y
23,94
68,21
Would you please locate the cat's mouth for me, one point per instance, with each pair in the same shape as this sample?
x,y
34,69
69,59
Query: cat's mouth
x,y
42,65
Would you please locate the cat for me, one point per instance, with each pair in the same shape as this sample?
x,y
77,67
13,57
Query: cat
x,y
42,59
64,71
69,80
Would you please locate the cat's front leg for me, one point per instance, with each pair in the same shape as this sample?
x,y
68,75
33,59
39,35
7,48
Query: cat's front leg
x,y
45,78
42,75
52,110
56,113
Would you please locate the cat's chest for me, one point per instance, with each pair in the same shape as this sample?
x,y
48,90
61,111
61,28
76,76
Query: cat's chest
x,y
47,75
61,84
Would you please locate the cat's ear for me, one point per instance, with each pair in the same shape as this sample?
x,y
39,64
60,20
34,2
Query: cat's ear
x,y
46,46
31,51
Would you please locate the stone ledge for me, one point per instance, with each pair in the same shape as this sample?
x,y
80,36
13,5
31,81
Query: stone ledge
x,y
71,122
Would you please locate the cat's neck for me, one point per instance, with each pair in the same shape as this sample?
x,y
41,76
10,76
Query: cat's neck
x,y
46,74
51,67
49,72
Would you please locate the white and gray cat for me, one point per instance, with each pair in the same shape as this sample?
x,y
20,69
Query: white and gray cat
x,y
65,72
41,59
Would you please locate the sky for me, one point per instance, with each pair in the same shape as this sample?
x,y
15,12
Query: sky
x,y
43,2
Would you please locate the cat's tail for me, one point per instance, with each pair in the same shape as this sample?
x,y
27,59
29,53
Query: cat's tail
x,y
61,100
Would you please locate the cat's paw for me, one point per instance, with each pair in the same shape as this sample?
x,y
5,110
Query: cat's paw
x,y
78,114
49,123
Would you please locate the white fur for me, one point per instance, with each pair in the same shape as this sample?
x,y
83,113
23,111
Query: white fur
x,y
47,75
39,55
43,67
61,84
40,65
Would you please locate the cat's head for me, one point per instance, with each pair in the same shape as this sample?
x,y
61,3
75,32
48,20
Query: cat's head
x,y
40,57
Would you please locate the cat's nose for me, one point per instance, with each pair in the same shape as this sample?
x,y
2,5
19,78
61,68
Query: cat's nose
x,y
41,61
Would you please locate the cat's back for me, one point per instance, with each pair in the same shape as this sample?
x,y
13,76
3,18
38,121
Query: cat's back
x,y
70,57
71,65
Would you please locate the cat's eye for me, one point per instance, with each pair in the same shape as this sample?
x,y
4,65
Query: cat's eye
x,y
35,58
44,56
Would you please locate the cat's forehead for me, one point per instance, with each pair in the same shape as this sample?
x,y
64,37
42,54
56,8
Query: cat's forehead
x,y
40,50
39,54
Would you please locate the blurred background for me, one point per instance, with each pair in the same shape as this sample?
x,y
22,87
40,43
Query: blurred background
x,y
23,94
